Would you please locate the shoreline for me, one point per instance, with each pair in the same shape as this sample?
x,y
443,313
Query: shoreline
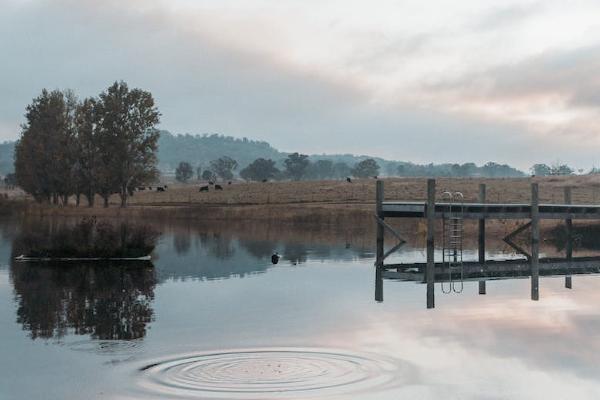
x,y
285,213
307,202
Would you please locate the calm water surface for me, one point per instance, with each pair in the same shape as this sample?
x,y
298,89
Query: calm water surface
x,y
214,318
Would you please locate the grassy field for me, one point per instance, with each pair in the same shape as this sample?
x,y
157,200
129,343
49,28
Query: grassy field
x,y
319,202
586,189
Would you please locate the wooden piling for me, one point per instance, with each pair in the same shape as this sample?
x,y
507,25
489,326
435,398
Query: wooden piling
x,y
482,285
380,232
535,242
430,270
378,285
569,228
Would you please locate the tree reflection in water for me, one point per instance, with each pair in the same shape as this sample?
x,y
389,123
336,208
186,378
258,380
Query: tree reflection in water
x,y
105,301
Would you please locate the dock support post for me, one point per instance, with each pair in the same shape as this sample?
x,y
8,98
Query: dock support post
x,y
482,288
430,270
569,228
535,242
378,285
380,232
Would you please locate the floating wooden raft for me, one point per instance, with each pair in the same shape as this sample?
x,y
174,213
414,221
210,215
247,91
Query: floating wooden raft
x,y
24,258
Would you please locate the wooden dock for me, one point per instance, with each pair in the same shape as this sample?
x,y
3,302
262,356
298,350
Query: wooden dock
x,y
432,211
404,209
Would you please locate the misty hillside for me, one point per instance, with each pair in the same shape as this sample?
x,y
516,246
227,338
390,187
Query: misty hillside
x,y
200,150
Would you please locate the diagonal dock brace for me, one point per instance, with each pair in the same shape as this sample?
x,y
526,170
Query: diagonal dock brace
x,y
386,226
508,239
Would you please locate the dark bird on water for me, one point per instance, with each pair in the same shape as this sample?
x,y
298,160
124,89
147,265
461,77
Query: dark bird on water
x,y
275,258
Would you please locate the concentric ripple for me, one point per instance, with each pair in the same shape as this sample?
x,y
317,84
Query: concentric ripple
x,y
268,373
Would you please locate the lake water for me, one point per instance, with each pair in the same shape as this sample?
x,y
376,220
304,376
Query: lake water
x,y
213,318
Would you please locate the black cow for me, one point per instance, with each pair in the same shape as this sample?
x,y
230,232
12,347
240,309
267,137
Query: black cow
x,y
141,188
218,187
166,187
160,189
203,189
348,180
211,183
264,180
229,183
375,177
149,187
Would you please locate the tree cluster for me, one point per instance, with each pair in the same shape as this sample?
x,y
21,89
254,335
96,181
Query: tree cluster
x,y
299,167
489,170
222,167
554,169
101,145
184,171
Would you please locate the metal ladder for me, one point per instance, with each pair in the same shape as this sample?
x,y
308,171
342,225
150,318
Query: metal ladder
x,y
452,239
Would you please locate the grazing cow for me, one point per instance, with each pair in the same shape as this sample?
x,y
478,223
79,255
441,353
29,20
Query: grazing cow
x,y
166,187
211,183
348,180
141,188
264,180
218,187
229,183
203,189
375,177
149,187
160,189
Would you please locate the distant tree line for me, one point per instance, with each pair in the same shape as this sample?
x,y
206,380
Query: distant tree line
x,y
300,167
100,145
295,167
554,169
490,170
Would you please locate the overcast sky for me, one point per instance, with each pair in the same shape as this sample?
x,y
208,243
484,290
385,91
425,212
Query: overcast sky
x,y
423,81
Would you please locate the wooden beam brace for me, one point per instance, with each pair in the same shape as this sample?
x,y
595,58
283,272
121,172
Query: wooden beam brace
x,y
393,249
514,233
387,227
391,230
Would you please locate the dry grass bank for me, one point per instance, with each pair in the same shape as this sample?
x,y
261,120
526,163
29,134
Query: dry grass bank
x,y
324,202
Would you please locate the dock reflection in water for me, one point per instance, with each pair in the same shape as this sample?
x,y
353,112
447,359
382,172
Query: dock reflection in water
x,y
492,270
